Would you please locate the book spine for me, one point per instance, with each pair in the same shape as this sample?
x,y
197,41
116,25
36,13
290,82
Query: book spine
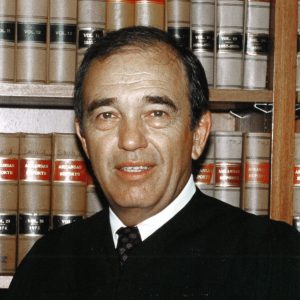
x,y
229,43
62,44
90,24
93,201
9,176
7,40
256,173
228,173
205,168
256,44
298,51
69,179
31,48
34,190
296,197
150,13
119,14
203,34
178,21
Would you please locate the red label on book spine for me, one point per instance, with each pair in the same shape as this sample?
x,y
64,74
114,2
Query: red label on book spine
x,y
297,175
257,173
8,169
228,174
69,170
33,169
205,174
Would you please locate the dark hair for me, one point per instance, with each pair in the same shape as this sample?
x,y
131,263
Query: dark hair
x,y
145,37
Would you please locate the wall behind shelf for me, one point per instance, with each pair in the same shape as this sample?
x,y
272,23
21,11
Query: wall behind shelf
x,y
36,120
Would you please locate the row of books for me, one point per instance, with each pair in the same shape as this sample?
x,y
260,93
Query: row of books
x,y
235,168
44,40
44,184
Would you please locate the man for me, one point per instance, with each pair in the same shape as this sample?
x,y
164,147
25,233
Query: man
x,y
141,116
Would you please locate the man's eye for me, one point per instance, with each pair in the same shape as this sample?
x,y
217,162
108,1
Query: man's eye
x,y
158,114
106,115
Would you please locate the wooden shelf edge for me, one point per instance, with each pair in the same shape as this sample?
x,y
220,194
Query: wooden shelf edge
x,y
5,281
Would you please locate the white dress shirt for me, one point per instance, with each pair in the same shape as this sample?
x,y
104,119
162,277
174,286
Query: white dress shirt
x,y
150,225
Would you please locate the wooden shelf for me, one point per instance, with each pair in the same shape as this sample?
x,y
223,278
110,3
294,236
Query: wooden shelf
x,y
46,95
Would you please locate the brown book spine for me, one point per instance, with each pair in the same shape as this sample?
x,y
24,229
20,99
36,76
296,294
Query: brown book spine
x,y
119,14
296,198
150,13
34,190
257,44
31,49
68,181
7,40
205,167
298,51
229,43
9,176
256,172
62,44
203,34
93,200
90,24
178,21
228,174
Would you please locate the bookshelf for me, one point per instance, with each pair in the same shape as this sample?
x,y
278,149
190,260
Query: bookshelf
x,y
281,93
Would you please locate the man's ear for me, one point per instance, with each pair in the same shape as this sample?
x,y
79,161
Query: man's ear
x,y
200,135
80,135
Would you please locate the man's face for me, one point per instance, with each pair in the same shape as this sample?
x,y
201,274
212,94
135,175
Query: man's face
x,y
137,130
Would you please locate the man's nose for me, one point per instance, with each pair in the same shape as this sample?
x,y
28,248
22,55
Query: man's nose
x,y
132,135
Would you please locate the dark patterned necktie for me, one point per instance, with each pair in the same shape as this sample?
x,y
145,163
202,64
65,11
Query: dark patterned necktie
x,y
128,238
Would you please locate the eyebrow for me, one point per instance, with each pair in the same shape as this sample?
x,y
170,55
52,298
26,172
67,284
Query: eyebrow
x,y
163,100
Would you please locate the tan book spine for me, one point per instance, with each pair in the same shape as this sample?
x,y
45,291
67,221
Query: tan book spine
x,y
228,174
205,168
203,34
298,51
34,190
150,13
229,47
31,49
68,181
296,198
93,200
7,40
256,173
62,44
119,14
90,24
9,176
257,44
178,21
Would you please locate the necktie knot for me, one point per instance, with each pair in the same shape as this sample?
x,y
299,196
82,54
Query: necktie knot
x,y
128,238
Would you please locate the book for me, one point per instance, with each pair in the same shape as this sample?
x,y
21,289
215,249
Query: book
x,y
34,190
90,24
69,177
62,44
204,167
296,196
228,168
7,40
94,197
9,176
150,13
298,51
257,44
229,44
119,14
178,21
31,47
203,35
256,172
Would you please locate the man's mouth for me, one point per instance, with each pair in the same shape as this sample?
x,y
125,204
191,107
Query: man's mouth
x,y
135,169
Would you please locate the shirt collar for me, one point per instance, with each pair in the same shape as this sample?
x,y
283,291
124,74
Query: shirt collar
x,y
150,225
